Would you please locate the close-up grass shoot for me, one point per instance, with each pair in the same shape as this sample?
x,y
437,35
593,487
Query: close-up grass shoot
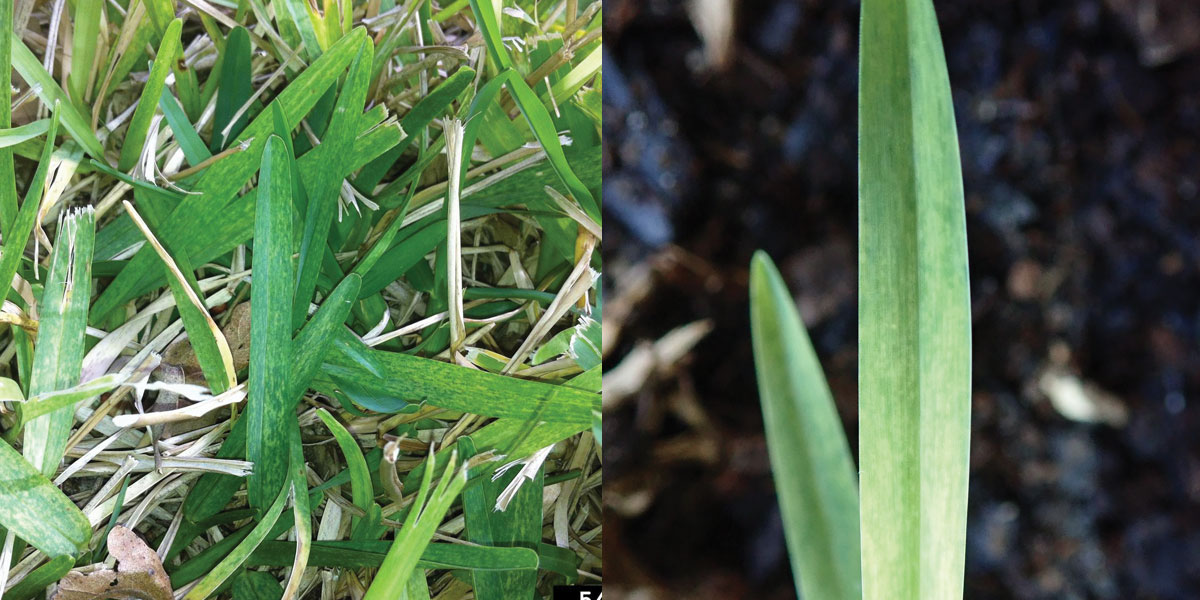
x,y
300,299
895,527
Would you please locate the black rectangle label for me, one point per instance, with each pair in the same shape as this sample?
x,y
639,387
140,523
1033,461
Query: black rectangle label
x,y
577,592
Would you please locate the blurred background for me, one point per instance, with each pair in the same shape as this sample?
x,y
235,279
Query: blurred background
x,y
731,126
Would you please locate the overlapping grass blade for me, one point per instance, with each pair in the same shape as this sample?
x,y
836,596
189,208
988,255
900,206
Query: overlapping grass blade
x,y
914,311
413,538
309,349
518,525
323,187
32,71
84,41
810,459
202,211
35,510
16,234
24,133
211,347
413,379
269,411
58,355
139,124
231,563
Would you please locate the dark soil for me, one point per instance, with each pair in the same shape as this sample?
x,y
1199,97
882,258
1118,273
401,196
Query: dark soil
x,y
1079,124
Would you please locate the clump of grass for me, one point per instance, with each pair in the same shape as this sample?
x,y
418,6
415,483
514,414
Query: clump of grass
x,y
902,533
305,296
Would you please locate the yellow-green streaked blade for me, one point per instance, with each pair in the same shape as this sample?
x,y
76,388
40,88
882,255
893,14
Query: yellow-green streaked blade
x,y
914,311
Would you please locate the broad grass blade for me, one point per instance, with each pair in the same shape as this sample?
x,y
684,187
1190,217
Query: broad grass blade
x,y
34,509
270,410
810,459
914,311
139,124
58,356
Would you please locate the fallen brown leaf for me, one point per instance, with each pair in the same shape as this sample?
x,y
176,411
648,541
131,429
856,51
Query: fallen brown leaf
x,y
139,574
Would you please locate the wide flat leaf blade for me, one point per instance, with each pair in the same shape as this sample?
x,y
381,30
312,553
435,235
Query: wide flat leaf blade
x,y
36,511
914,311
810,459
269,412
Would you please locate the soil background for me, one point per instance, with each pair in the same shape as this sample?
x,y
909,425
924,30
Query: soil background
x,y
1078,124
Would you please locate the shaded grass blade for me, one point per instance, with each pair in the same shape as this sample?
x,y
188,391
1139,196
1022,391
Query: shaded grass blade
x,y
810,459
234,91
58,355
914,311
231,563
269,411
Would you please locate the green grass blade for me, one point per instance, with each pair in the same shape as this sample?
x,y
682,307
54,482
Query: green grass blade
x,y
35,509
139,124
813,469
49,402
361,490
547,135
24,133
412,539
16,236
83,43
323,191
230,564
310,347
197,218
270,410
520,524
488,23
914,311
58,356
8,183
193,147
234,91
414,379
32,71
302,516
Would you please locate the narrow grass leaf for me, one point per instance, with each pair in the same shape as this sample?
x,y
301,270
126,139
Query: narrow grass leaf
x,y
309,349
32,71
361,490
139,124
16,235
810,458
231,563
914,311
16,135
208,342
8,183
235,89
270,411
